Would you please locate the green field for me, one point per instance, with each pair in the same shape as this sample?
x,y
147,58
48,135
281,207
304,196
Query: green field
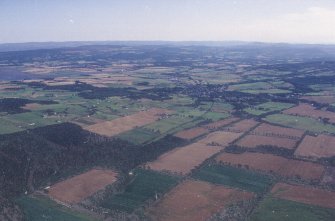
x,y
189,111
42,209
250,86
214,77
282,84
33,119
233,177
8,127
214,116
323,87
298,122
173,124
260,87
180,100
145,185
267,91
222,106
283,210
267,107
139,135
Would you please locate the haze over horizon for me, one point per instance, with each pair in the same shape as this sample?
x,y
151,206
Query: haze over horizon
x,y
288,21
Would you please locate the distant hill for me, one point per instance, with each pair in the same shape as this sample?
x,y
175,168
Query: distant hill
x,y
52,45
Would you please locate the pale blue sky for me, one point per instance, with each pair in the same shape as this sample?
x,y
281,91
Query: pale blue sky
x,y
296,21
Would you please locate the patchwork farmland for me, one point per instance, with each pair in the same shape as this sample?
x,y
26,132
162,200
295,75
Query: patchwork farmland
x,y
184,159
182,132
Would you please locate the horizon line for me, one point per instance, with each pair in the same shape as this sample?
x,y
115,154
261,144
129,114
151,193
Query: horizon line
x,y
171,41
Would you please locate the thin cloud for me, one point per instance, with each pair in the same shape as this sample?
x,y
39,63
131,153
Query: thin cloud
x,y
313,25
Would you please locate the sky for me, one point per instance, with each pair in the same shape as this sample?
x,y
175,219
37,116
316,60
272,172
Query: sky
x,y
292,21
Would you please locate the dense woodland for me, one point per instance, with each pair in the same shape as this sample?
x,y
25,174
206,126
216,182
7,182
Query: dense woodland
x,y
34,158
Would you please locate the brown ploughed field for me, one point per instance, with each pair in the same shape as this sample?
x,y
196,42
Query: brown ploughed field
x,y
309,111
191,133
196,201
274,164
327,99
123,124
76,189
253,141
184,159
316,147
221,123
302,194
